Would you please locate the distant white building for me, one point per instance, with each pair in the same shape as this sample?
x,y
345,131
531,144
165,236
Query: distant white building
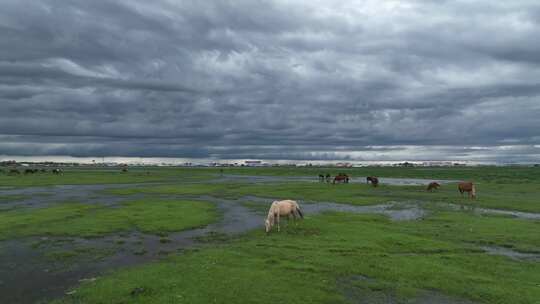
x,y
253,163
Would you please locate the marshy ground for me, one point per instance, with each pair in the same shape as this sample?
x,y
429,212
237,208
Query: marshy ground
x,y
163,235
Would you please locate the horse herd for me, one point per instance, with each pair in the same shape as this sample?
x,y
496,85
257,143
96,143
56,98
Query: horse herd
x,y
468,187
290,208
31,171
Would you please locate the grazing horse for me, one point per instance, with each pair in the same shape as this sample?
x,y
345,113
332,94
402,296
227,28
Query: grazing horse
x,y
279,209
433,186
373,180
467,187
341,178
321,178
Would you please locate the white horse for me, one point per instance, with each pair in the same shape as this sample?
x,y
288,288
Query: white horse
x,y
279,209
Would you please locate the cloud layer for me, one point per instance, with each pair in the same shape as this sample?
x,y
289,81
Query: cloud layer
x,y
242,79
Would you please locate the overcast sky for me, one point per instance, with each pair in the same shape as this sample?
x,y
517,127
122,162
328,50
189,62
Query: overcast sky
x,y
247,79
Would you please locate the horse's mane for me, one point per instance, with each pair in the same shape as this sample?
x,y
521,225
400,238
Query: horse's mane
x,y
272,211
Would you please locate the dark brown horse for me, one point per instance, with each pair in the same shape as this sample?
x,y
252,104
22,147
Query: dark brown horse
x,y
433,186
373,180
468,187
341,178
321,178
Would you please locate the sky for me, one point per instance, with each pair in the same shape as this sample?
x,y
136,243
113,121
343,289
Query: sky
x,y
273,80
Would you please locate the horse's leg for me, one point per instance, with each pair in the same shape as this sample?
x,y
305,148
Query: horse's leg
x,y
278,227
296,216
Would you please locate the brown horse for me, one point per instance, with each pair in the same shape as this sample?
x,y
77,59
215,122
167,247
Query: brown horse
x,y
467,187
341,178
433,186
374,181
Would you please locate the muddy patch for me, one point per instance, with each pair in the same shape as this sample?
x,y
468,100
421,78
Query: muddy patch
x,y
361,289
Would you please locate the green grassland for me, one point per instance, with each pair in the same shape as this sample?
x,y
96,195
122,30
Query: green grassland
x,y
507,174
82,220
326,258
307,262
73,176
519,197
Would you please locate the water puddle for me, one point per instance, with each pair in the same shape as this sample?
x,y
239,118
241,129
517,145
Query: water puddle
x,y
488,211
512,254
394,210
33,197
315,179
411,181
518,214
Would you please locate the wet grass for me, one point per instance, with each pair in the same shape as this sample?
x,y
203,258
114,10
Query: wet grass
x,y
480,230
492,174
306,264
75,219
104,176
519,197
78,255
9,198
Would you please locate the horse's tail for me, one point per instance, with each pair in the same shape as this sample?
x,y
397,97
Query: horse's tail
x,y
299,212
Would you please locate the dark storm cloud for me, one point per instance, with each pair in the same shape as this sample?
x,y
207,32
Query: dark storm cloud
x,y
321,80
